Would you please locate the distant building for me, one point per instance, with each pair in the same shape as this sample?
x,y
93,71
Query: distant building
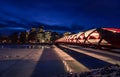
x,y
32,35
39,35
27,35
22,38
14,38
67,33
47,36
54,36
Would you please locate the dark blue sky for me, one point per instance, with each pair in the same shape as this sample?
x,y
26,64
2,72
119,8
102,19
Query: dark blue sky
x,y
83,14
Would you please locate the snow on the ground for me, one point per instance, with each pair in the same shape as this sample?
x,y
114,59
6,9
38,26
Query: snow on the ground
x,y
11,57
101,57
107,71
70,63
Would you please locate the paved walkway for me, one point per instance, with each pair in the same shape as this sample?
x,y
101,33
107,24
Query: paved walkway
x,y
70,63
98,54
49,65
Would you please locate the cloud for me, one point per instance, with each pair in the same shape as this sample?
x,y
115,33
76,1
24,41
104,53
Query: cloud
x,y
57,13
73,28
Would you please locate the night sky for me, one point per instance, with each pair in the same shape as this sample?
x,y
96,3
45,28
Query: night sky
x,y
58,15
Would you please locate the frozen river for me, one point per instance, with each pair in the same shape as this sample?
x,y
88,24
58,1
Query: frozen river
x,y
45,61
40,61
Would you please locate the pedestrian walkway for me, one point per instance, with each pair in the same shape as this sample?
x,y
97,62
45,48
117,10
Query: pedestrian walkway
x,y
70,63
49,64
108,59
